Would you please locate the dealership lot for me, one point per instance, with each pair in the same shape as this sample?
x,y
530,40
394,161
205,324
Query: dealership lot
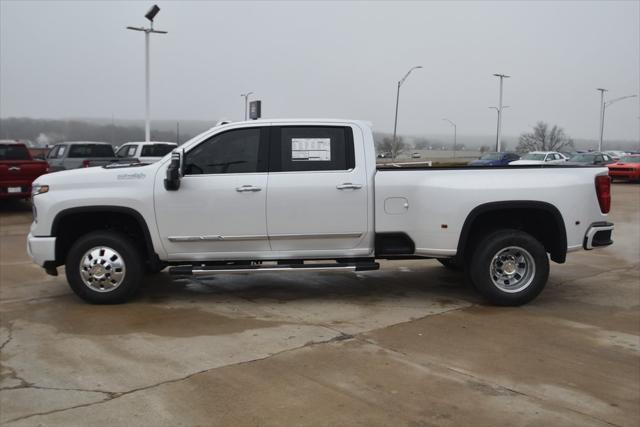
x,y
406,345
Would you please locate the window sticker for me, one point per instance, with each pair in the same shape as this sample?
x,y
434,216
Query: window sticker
x,y
311,149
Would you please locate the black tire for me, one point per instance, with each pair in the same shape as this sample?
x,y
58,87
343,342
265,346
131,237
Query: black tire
x,y
513,250
128,255
451,264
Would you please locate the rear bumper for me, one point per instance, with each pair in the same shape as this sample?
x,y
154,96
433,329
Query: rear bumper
x,y
23,192
41,249
598,235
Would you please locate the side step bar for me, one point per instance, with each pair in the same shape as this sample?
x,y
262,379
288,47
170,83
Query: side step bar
x,y
189,270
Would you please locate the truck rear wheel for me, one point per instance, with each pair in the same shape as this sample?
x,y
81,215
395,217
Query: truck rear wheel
x,y
104,267
509,267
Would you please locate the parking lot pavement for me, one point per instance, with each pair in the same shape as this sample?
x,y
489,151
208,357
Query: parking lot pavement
x,y
406,345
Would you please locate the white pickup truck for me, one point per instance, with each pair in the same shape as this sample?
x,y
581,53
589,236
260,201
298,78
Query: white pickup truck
x,y
293,195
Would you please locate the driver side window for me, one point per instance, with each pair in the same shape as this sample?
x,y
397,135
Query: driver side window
x,y
235,151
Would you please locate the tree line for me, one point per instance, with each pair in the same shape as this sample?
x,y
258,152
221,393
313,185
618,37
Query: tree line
x,y
50,132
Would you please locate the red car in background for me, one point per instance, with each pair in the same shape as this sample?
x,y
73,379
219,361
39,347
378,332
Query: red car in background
x,y
18,170
628,167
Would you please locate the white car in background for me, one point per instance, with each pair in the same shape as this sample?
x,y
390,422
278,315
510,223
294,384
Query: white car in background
x,y
615,154
540,158
145,152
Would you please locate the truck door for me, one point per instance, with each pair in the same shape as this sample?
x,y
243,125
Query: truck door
x,y
318,192
55,158
219,209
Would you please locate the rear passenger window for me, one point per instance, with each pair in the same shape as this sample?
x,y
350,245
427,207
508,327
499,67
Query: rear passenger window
x,y
312,148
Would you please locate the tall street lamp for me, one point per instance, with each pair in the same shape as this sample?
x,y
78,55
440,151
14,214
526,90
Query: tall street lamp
x,y
150,15
455,135
499,132
246,103
395,123
603,109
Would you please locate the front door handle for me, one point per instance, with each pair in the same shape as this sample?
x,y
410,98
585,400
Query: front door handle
x,y
248,188
349,186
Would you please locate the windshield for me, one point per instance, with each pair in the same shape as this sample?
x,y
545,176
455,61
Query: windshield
x,y
583,158
90,150
14,152
533,156
630,159
491,156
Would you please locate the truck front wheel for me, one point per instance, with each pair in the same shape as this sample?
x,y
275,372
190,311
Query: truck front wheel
x,y
104,267
509,267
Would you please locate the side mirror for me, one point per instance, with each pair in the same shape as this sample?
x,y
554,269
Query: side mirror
x,y
174,171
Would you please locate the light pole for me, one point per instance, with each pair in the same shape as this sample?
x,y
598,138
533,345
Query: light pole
x,y
149,15
602,91
395,123
499,132
455,135
246,103
603,109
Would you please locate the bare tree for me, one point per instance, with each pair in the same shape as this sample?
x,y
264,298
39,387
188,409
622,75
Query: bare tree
x,y
543,139
387,146
485,148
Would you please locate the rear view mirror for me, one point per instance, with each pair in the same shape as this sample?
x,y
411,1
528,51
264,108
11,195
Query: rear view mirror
x,y
174,171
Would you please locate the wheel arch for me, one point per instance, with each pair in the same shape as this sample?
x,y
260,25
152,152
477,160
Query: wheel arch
x,y
63,218
541,219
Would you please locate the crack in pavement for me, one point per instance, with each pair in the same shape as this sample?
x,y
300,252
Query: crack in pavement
x,y
9,337
480,380
118,395
342,336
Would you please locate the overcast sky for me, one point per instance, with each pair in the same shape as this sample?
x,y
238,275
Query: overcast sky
x,y
329,59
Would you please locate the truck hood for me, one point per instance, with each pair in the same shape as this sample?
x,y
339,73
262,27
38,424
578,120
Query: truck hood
x,y
98,177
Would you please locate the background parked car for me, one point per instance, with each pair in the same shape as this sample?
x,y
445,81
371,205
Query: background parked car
x,y
590,159
145,152
18,170
495,159
80,154
628,167
615,154
540,158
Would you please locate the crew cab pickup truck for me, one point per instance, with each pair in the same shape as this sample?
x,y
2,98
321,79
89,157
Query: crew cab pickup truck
x,y
18,170
80,154
297,195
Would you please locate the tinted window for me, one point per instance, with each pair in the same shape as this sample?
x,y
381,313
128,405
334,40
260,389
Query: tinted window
x,y
235,151
313,148
90,150
54,152
156,150
126,151
14,152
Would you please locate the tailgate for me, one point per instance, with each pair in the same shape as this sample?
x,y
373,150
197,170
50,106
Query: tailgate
x,y
21,170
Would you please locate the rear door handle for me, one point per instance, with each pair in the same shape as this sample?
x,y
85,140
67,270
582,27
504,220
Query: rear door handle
x,y
247,188
349,186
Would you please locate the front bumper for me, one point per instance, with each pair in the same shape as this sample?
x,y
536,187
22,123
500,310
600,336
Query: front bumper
x,y
598,235
41,249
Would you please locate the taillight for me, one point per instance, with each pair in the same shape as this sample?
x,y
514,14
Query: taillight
x,y
85,163
603,191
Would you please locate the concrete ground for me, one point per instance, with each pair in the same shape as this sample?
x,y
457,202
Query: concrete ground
x,y
406,345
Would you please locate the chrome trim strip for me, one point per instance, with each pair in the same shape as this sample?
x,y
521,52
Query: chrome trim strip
x,y
315,236
276,269
214,238
217,238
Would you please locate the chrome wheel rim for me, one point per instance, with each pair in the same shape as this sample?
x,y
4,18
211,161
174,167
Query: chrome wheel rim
x,y
102,269
512,269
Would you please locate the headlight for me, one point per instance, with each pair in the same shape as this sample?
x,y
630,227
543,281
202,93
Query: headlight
x,y
39,189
